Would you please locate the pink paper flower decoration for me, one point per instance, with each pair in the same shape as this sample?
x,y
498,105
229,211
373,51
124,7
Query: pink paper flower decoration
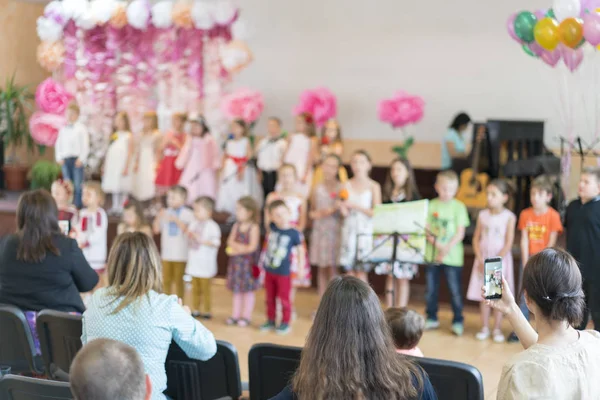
x,y
401,110
44,127
52,97
244,103
320,103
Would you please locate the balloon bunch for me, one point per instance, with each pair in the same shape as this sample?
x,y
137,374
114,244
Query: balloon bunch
x,y
559,32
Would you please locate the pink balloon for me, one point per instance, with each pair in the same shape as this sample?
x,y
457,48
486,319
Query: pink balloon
x,y
572,57
510,27
536,49
589,6
551,57
540,14
591,28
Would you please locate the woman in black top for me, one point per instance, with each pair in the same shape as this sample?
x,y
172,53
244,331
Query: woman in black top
x,y
40,268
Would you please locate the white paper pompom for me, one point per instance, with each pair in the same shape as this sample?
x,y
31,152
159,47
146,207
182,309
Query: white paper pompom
x,y
86,21
202,15
102,10
73,9
225,12
138,14
239,30
161,14
54,10
49,30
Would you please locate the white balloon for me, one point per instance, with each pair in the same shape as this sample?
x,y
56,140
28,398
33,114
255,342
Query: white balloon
x,y
564,9
161,14
138,14
224,12
73,9
49,30
202,15
102,10
239,30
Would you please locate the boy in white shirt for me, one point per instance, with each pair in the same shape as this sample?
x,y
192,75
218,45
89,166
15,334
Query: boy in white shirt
x,y
71,150
269,155
204,237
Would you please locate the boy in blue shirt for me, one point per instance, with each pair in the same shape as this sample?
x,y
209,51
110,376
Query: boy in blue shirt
x,y
276,261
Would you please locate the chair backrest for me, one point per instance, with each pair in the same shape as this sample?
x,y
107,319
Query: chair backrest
x,y
271,368
217,378
16,342
13,387
453,380
60,340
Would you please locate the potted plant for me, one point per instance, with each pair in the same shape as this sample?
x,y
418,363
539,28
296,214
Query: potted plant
x,y
15,107
43,173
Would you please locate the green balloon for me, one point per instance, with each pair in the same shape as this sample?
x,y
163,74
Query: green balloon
x,y
524,24
581,43
527,50
550,14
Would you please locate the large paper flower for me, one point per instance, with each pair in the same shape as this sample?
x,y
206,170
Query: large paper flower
x,y
182,15
50,55
235,56
202,15
52,97
103,10
55,11
73,9
119,17
401,110
161,14
48,29
225,12
320,103
138,14
244,103
44,127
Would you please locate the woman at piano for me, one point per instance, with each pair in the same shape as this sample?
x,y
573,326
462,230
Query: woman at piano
x,y
454,145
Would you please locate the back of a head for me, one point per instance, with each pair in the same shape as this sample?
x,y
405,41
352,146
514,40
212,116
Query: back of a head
x,y
105,369
552,281
406,327
349,353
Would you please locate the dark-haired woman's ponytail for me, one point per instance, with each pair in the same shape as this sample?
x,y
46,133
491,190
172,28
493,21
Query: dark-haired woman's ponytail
x,y
568,308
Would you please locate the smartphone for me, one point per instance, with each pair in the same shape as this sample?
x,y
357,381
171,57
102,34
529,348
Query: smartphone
x,y
492,272
64,226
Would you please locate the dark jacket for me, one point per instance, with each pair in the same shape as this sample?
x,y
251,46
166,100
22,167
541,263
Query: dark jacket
x,y
54,283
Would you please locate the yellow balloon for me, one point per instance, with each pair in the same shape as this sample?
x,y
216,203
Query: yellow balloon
x,y
546,33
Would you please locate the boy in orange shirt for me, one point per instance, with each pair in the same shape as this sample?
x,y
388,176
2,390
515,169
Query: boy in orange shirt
x,y
539,225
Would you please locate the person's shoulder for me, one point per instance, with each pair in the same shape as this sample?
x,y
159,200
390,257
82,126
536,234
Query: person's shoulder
x,y
451,134
213,225
591,336
526,213
458,205
285,394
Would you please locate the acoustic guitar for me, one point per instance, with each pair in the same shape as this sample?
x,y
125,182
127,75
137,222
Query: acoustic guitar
x,y
473,184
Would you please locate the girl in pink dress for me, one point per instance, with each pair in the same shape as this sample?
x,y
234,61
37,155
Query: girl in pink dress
x,y
168,174
494,236
199,159
301,152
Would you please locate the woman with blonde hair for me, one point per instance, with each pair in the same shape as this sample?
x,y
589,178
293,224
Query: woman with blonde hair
x,y
133,310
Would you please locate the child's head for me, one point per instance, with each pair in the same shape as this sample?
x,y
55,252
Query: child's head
x,y
540,193
92,194
305,123
401,178
446,185
134,268
332,131
406,327
133,216
274,127
589,183
72,112
279,213
287,176
498,193
239,128
246,210
461,122
198,126
331,166
122,121
62,192
361,163
178,121
150,121
176,196
203,208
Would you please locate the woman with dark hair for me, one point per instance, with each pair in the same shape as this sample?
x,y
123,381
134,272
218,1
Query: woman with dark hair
x,y
350,354
40,268
454,144
559,362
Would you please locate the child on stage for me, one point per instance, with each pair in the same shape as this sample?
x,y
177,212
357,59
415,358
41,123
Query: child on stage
x,y
62,192
330,143
242,248
447,219
301,152
363,194
167,174
269,155
494,237
199,160
117,175
276,261
133,220
144,165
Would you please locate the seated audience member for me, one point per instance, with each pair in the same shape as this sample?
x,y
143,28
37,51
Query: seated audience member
x,y
105,369
349,352
40,267
406,327
559,362
133,310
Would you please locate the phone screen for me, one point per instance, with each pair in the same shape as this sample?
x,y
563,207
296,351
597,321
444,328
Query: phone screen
x,y
493,278
65,226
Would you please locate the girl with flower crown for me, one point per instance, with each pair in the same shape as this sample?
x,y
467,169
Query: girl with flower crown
x,y
301,152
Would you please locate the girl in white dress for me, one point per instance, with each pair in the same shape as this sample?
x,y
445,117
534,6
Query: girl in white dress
x,y
301,152
144,170
236,173
359,199
117,175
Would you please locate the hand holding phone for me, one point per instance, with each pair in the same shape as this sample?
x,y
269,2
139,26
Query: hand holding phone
x,y
492,278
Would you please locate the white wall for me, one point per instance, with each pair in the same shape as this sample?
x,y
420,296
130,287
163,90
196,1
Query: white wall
x,y
456,54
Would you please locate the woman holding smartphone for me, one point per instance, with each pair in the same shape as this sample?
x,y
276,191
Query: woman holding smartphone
x,y
559,362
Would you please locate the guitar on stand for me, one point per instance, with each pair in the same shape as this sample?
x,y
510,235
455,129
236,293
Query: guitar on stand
x,y
473,184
